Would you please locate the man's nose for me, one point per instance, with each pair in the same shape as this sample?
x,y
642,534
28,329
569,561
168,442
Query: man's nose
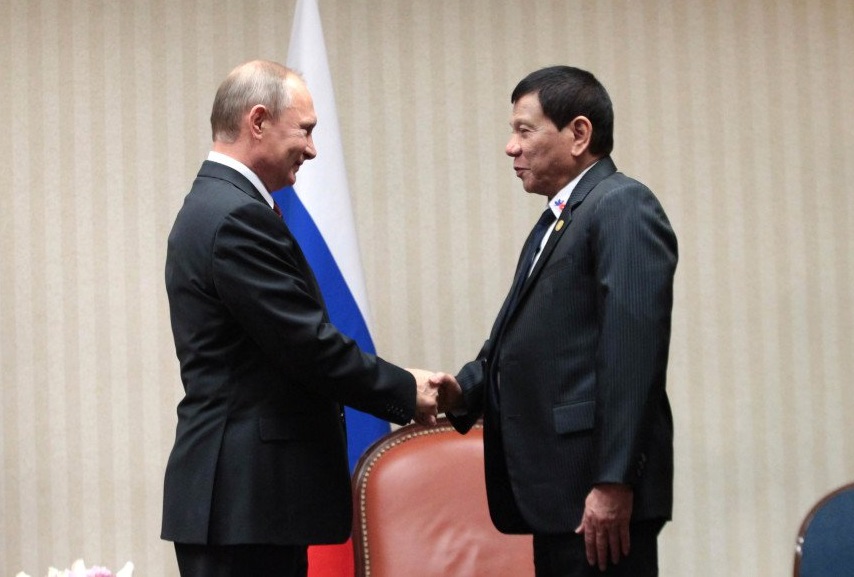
x,y
513,148
310,150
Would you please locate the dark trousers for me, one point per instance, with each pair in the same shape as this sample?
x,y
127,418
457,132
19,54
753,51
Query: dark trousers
x,y
241,560
564,555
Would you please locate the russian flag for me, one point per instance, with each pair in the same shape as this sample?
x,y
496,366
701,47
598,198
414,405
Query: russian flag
x,y
317,210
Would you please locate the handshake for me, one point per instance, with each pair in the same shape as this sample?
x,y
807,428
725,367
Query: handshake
x,y
436,393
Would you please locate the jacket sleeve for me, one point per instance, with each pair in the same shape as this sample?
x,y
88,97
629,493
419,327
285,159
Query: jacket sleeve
x,y
636,254
472,379
263,279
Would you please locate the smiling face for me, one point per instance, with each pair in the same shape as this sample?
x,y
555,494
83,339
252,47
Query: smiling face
x,y
543,156
286,142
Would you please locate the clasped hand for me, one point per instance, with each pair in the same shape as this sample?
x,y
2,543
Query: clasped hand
x,y
436,393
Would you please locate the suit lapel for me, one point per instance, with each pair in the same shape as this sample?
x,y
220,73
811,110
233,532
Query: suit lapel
x,y
601,170
212,169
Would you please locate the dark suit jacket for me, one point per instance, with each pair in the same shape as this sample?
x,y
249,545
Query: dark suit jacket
x,y
260,451
579,365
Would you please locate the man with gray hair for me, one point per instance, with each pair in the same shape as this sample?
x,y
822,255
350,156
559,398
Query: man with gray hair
x,y
259,466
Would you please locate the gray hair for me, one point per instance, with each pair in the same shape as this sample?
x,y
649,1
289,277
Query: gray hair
x,y
250,84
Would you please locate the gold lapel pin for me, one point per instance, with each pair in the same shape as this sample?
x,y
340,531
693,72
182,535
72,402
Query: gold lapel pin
x,y
559,225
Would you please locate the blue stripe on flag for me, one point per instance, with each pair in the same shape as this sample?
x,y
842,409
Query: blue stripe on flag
x,y
362,429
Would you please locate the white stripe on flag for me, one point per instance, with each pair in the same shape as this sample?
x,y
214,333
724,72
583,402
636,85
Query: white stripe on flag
x,y
322,183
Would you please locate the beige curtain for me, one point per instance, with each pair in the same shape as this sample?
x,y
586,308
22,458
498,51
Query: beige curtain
x,y
738,114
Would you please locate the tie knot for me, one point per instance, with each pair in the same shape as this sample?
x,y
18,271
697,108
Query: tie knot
x,y
546,219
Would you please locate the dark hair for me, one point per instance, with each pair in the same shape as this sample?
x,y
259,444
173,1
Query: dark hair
x,y
565,93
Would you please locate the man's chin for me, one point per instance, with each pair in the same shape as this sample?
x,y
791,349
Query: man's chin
x,y
289,181
531,190
529,187
525,186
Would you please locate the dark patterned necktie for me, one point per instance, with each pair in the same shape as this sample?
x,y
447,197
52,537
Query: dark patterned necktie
x,y
529,253
276,209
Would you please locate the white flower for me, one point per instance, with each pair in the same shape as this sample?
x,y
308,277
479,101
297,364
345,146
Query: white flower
x,y
78,569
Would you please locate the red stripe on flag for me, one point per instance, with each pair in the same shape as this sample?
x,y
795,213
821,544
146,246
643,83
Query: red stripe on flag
x,y
331,560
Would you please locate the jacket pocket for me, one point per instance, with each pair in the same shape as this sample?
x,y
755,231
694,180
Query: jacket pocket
x,y
566,262
574,417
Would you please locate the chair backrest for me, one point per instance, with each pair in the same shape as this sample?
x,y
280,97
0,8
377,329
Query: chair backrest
x,y
420,509
825,544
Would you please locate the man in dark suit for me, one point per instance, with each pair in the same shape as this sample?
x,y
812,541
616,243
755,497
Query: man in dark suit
x,y
578,432
259,466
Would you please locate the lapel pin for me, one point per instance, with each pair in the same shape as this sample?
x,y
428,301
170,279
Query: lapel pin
x,y
559,225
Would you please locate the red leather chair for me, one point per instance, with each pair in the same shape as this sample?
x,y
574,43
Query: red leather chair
x,y
420,509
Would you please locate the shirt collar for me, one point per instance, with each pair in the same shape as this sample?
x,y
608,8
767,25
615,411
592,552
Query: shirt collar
x,y
230,162
560,200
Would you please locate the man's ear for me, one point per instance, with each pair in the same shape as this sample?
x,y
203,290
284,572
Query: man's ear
x,y
582,131
257,119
